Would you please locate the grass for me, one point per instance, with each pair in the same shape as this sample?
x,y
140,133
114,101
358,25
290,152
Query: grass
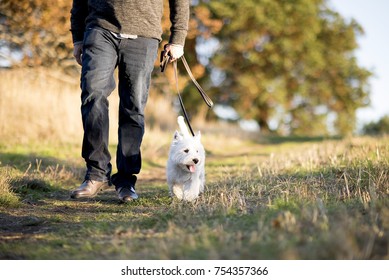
x,y
309,200
266,198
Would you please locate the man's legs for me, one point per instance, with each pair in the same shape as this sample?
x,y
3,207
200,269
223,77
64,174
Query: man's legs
x,y
136,63
99,60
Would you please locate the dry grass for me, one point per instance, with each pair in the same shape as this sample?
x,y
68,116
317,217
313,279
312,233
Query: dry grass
x,y
272,199
7,196
325,200
37,105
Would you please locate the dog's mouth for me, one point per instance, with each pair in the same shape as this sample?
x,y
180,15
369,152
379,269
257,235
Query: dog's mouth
x,y
191,168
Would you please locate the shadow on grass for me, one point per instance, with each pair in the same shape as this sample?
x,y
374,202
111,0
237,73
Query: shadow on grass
x,y
275,139
33,177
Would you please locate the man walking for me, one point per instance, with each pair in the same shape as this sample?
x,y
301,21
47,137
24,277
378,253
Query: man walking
x,y
123,34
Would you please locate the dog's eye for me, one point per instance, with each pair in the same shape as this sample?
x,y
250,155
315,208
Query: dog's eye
x,y
186,150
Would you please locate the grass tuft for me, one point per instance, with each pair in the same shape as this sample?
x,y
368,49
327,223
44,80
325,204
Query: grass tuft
x,y
8,198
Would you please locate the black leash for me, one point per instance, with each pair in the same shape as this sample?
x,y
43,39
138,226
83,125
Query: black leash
x,y
165,59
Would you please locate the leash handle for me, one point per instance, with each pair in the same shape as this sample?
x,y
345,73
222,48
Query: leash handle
x,y
165,59
205,97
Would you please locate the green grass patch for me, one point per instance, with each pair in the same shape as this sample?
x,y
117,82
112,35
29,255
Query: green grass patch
x,y
298,200
8,198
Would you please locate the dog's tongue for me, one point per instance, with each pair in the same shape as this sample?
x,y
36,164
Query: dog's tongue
x,y
192,168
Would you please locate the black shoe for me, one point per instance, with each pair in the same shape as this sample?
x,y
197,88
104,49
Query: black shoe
x,y
127,194
89,188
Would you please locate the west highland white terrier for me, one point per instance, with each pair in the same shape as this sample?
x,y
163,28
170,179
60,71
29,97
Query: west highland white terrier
x,y
185,166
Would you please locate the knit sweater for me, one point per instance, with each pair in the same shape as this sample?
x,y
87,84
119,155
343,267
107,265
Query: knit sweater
x,y
142,18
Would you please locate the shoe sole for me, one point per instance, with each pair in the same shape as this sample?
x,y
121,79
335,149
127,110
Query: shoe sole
x,y
128,199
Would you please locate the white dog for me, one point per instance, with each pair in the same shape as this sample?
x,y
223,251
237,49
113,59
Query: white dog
x,y
185,167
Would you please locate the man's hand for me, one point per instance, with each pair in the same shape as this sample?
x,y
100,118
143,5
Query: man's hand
x,y
175,51
77,52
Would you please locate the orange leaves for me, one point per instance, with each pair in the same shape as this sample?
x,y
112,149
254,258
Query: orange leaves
x,y
203,15
40,28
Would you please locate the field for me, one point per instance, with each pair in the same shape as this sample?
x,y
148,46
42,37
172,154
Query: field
x,y
266,198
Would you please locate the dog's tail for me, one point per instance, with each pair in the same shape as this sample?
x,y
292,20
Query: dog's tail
x,y
183,127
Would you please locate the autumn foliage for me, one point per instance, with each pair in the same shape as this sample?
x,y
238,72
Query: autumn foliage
x,y
288,65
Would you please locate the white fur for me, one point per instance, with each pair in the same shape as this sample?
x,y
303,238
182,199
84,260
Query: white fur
x,y
185,166
183,128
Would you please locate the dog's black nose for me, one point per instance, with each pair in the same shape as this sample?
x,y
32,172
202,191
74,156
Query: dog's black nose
x,y
195,160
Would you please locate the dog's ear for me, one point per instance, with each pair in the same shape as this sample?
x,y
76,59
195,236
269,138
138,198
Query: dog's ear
x,y
198,135
177,136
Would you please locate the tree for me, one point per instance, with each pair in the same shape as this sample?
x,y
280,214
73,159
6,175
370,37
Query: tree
x,y
291,61
38,30
287,62
201,26
377,128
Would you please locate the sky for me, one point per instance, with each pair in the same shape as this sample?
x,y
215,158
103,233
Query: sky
x,y
373,52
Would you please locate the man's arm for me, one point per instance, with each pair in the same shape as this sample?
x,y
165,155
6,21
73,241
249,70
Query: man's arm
x,y
78,14
179,17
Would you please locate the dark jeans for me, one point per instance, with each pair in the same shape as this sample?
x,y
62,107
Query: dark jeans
x,y
102,53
